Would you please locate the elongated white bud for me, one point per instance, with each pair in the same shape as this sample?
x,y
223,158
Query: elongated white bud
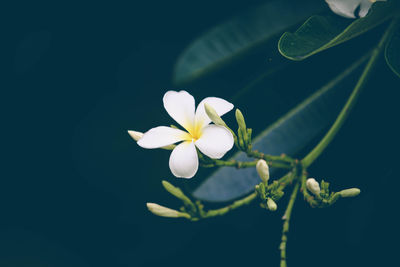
x,y
351,192
263,170
165,212
135,135
271,204
313,186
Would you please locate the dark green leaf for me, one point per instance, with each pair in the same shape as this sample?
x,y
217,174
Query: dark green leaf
x,y
288,135
322,32
231,40
392,52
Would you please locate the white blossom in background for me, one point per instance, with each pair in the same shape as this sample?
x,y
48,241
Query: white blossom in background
x,y
346,8
212,140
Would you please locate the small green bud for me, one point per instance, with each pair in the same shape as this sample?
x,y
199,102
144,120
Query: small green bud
x,y
313,186
240,120
263,170
241,140
260,189
334,198
242,131
165,212
325,187
278,194
271,204
212,114
249,132
175,191
135,135
351,192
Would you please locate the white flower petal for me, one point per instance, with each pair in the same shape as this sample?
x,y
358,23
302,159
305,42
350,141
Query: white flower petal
x,y
215,141
220,105
364,7
346,8
180,106
162,136
183,161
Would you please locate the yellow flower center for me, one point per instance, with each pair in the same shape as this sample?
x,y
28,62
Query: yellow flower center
x,y
195,132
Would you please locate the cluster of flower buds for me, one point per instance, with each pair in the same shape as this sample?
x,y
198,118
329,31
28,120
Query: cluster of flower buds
x,y
243,137
188,211
322,195
267,194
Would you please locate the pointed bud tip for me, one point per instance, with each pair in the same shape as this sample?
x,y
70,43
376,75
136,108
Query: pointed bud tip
x,y
135,135
165,183
240,120
213,115
238,112
209,108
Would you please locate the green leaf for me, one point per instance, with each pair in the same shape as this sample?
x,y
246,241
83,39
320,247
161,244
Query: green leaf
x,y
319,33
290,134
392,52
235,38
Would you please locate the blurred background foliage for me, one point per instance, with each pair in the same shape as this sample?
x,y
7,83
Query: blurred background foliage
x,y
74,185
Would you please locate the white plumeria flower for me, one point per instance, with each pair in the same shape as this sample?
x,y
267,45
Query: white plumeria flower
x,y
346,8
212,140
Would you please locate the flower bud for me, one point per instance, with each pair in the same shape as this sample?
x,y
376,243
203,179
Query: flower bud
x,y
177,192
313,186
271,204
212,114
240,120
263,170
351,192
165,212
135,135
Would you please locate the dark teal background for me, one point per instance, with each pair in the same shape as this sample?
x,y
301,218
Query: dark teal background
x,y
74,185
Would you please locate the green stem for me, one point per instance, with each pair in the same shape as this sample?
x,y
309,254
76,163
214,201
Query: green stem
x,y
314,154
284,181
243,164
238,203
229,163
285,229
260,155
